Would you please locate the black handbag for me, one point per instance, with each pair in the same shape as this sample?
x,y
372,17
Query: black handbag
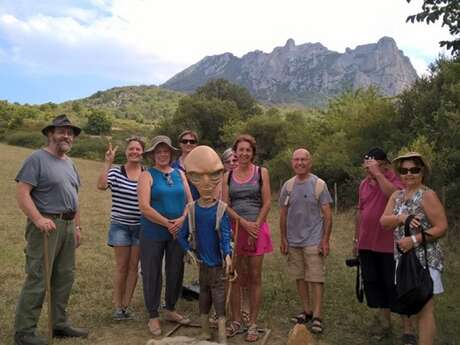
x,y
414,286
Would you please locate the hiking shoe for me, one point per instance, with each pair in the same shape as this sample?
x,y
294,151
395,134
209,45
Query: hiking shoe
x,y
70,332
119,314
29,339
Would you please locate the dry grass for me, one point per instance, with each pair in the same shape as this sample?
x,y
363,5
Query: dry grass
x,y
346,321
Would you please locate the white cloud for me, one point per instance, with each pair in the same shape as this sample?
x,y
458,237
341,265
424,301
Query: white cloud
x,y
147,41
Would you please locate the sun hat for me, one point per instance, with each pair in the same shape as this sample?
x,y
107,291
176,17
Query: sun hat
x,y
61,121
227,154
160,139
397,161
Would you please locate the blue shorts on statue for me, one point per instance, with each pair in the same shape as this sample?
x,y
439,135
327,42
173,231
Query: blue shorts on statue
x,y
123,235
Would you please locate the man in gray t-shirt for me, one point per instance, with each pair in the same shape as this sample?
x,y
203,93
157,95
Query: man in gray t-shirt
x,y
305,226
47,193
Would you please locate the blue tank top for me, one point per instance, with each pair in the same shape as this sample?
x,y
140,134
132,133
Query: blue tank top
x,y
167,197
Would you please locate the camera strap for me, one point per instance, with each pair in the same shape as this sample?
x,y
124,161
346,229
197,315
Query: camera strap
x,y
359,285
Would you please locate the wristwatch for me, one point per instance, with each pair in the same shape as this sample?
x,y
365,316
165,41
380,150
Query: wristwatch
x,y
414,240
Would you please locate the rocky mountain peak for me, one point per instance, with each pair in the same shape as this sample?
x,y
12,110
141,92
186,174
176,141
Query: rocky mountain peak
x,y
290,44
308,73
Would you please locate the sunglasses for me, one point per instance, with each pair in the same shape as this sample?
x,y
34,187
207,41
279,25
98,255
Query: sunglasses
x,y
413,171
188,141
168,179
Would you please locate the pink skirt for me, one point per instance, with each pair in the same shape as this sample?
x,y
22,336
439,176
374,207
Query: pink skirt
x,y
262,245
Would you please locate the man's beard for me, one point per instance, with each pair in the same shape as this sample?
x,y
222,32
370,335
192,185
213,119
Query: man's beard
x,y
63,146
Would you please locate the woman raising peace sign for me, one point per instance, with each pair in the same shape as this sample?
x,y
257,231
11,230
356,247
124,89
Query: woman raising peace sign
x,y
125,220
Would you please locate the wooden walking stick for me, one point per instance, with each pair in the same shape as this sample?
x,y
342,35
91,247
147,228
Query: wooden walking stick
x,y
48,286
232,274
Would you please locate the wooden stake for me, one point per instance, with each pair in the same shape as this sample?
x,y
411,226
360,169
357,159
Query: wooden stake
x,y
48,286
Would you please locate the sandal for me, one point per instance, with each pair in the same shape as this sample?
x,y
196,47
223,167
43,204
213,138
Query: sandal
x,y
234,328
302,317
173,316
409,339
155,330
316,325
253,333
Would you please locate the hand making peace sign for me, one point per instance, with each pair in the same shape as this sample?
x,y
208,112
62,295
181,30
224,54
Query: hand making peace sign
x,y
110,153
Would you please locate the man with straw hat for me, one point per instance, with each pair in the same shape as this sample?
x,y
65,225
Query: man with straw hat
x,y
47,193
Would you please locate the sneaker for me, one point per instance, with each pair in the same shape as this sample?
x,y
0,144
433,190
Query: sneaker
x,y
119,314
128,314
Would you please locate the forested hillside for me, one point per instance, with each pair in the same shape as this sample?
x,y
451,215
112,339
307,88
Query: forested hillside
x,y
425,117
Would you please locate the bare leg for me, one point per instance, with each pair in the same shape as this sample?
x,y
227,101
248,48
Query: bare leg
x,y
385,315
317,294
408,324
235,297
122,255
426,324
132,275
255,286
302,289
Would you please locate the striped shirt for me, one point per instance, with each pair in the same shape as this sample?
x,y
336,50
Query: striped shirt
x,y
125,205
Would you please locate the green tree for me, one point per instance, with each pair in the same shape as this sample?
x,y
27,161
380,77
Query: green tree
x,y
224,90
98,123
448,11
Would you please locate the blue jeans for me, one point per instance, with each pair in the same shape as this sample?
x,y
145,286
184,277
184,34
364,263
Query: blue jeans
x,y
123,235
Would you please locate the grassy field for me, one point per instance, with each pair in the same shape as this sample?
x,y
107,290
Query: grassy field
x,y
346,321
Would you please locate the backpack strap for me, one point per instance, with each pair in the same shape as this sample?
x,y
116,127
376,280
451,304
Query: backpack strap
x,y
259,171
230,173
289,188
319,187
221,207
191,224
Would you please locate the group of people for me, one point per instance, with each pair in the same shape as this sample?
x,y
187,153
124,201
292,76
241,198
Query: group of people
x,y
150,223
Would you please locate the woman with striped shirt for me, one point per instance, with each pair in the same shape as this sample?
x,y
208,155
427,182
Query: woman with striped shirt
x,y
125,220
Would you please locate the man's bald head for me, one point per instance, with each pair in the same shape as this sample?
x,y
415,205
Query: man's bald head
x,y
301,152
301,162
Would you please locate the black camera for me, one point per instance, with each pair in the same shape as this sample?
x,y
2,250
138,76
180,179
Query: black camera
x,y
352,262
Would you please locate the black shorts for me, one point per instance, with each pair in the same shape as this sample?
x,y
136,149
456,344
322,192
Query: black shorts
x,y
378,274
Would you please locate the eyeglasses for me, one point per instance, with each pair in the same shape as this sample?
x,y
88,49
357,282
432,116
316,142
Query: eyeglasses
x,y
188,141
413,170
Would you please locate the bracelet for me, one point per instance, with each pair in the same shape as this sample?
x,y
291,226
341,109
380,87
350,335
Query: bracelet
x,y
355,240
78,227
414,240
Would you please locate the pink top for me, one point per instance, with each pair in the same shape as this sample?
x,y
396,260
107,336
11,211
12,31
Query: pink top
x,y
372,203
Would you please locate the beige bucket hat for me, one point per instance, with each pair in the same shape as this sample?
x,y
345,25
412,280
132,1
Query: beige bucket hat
x,y
397,161
160,139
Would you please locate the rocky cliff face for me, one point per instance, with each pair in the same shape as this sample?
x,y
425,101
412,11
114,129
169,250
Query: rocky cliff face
x,y
308,73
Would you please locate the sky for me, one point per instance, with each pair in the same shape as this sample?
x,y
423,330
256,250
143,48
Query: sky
x,y
54,51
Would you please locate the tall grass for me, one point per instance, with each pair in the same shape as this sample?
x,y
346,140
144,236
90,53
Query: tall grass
x,y
346,321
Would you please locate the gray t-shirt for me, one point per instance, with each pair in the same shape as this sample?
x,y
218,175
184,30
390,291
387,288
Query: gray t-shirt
x,y
55,182
304,220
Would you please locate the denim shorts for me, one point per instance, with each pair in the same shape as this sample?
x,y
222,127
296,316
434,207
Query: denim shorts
x,y
123,235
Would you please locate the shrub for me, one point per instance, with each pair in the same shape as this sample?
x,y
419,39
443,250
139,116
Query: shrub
x,y
32,140
89,148
98,123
